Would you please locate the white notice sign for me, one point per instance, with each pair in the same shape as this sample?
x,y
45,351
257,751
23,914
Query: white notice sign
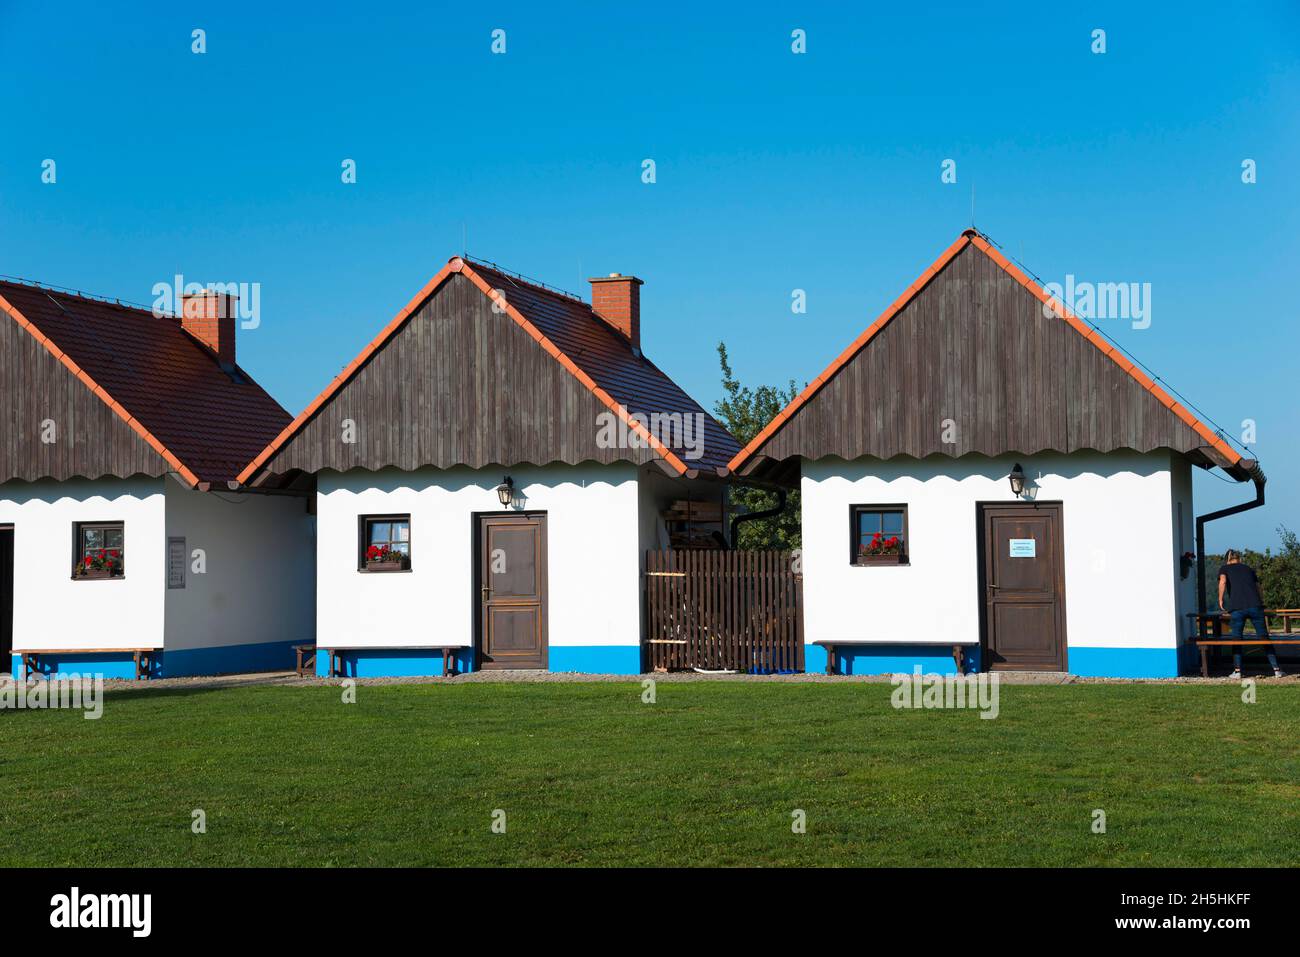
x,y
1024,548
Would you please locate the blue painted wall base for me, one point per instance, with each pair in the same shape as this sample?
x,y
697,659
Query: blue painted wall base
x,y
1123,662
1089,662
177,663
110,665
414,662
234,659
891,659
596,659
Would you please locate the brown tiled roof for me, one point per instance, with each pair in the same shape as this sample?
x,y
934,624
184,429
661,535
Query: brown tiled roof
x,y
166,384
602,359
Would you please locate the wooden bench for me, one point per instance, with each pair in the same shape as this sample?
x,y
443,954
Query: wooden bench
x,y
31,657
1210,632
832,656
448,655
1205,647
306,659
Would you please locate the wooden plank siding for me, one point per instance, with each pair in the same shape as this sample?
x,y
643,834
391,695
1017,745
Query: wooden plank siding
x,y
91,440
457,385
974,346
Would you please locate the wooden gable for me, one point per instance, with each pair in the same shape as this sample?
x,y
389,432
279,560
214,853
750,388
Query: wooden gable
x,y
970,363
40,399
458,383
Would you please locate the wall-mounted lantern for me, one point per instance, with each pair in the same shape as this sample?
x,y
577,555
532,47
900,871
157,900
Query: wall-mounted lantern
x,y
1017,479
506,492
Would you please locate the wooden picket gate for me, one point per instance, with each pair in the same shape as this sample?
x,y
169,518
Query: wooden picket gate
x,y
723,611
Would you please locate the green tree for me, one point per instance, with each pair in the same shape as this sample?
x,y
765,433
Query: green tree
x,y
744,412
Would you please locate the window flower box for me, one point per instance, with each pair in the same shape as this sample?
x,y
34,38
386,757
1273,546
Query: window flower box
x,y
879,550
93,574
101,563
381,558
897,558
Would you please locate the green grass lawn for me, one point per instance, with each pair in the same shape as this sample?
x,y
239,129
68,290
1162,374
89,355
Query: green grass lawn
x,y
588,775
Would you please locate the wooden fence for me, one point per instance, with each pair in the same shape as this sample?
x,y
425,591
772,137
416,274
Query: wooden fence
x,y
723,611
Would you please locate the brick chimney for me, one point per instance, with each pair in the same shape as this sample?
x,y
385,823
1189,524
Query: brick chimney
x,y
617,299
209,316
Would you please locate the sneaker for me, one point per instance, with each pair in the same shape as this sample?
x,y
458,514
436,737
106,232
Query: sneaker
x,y
1235,675
1279,673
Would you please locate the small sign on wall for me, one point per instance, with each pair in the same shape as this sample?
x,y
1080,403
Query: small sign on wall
x,y
1024,548
175,563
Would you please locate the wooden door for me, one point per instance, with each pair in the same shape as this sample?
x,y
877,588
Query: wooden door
x,y
6,595
511,583
1022,575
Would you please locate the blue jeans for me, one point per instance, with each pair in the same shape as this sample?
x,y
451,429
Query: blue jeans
x,y
1256,616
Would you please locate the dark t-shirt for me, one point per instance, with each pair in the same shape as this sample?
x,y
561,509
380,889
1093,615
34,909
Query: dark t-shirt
x,y
1243,587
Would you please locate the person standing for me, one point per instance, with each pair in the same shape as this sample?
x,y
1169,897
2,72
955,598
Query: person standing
x,y
1238,582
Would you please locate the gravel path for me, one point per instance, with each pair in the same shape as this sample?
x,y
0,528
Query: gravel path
x,y
550,677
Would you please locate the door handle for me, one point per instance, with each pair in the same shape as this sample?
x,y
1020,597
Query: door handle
x,y
487,593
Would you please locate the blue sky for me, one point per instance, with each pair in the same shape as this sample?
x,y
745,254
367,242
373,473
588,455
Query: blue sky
x,y
775,172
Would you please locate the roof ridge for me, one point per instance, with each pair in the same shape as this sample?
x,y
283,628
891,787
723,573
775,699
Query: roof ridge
x,y
102,300
525,280
148,312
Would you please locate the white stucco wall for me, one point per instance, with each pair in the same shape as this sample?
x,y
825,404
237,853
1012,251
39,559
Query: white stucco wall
x,y
259,581
655,491
51,610
1119,545
592,554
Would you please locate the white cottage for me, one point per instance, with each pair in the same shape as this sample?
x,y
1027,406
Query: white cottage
x,y
123,549
488,474
982,469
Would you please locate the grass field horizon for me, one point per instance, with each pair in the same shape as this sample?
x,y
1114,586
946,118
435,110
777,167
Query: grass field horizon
x,y
710,774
